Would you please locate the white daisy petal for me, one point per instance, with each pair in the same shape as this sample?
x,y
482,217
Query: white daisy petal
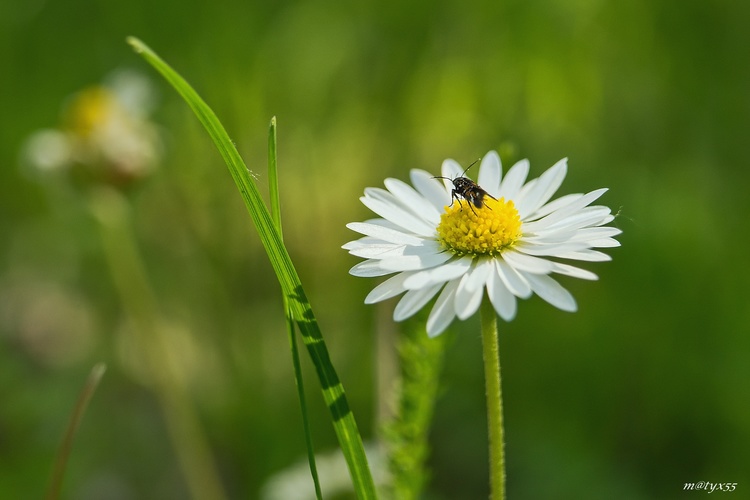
x,y
362,243
513,180
432,189
587,217
502,299
368,242
440,274
549,237
416,202
384,223
573,271
525,190
378,252
490,172
442,313
550,250
398,216
551,291
564,211
414,262
450,169
384,233
380,222
426,249
477,277
467,303
368,269
389,288
585,255
592,233
512,279
413,301
553,205
544,188
384,195
604,243
471,289
604,220
528,263
386,253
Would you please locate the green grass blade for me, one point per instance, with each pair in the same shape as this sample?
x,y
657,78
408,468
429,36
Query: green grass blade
x,y
273,177
55,486
333,392
273,186
303,406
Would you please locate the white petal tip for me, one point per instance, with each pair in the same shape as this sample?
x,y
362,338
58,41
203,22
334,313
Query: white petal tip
x,y
432,333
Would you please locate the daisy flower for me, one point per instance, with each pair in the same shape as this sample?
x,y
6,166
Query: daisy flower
x,y
106,134
508,242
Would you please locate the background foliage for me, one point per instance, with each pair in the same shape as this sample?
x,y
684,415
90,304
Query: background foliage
x,y
644,389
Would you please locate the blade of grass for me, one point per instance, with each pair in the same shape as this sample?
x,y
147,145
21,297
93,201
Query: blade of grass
x,y
303,405
273,177
333,392
273,183
61,461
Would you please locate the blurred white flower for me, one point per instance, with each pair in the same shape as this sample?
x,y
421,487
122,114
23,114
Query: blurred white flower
x,y
106,134
505,243
295,482
48,150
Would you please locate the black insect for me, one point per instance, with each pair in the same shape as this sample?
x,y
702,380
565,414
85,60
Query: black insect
x,y
465,188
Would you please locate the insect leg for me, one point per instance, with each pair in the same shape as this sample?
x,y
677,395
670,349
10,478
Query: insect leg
x,y
470,203
455,197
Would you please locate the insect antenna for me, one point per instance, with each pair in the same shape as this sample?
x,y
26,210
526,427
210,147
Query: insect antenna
x,y
472,164
462,173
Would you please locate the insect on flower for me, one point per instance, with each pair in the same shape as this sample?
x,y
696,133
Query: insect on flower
x,y
465,188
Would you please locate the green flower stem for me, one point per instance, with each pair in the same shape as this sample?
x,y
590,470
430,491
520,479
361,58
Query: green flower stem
x,y
491,349
131,280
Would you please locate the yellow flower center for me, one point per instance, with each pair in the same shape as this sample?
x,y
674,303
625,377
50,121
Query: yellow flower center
x,y
482,231
90,110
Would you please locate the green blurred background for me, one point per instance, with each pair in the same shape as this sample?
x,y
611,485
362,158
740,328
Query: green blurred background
x,y
644,389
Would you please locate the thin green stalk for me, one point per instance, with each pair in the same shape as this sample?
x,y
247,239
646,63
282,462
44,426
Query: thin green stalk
x,y
138,300
303,406
491,349
273,177
61,461
334,395
407,434
273,183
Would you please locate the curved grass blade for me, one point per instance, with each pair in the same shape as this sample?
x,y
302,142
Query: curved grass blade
x,y
273,186
55,485
273,177
333,392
